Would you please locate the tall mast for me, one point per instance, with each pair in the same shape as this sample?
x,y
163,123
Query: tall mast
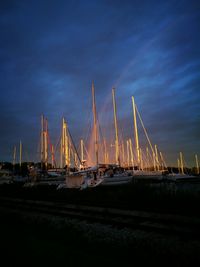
x,y
46,144
14,157
42,141
156,155
141,159
178,164
105,151
162,161
136,132
147,155
62,144
95,125
20,154
197,164
181,162
67,146
123,156
69,149
52,156
75,160
131,150
154,161
116,129
128,155
82,151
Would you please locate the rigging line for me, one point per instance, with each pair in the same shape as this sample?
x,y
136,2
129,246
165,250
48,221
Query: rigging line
x,y
56,149
74,146
49,143
100,130
86,130
162,159
134,152
151,158
89,129
157,159
121,132
101,138
145,130
79,147
58,142
86,151
185,165
50,147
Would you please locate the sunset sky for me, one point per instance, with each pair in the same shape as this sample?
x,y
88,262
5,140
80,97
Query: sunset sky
x,y
51,51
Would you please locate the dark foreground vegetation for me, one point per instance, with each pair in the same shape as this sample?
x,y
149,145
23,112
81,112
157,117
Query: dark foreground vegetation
x,y
162,197
39,240
36,240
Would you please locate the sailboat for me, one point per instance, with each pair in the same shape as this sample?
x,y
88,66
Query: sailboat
x,y
72,179
19,176
89,177
181,176
140,173
92,177
122,177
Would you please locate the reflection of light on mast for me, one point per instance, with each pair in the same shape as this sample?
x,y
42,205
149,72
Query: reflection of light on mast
x,y
156,155
131,150
154,161
147,155
52,156
90,154
127,150
20,154
44,142
178,163
181,162
141,159
117,160
197,164
64,146
14,157
123,156
136,131
82,151
95,124
163,161
105,152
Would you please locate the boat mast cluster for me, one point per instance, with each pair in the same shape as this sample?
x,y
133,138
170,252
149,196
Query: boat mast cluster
x,y
128,153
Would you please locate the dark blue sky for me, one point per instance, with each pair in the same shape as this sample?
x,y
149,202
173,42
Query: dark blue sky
x,y
50,51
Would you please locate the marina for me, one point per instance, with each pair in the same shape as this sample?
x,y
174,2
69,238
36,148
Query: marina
x,y
100,133
75,169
